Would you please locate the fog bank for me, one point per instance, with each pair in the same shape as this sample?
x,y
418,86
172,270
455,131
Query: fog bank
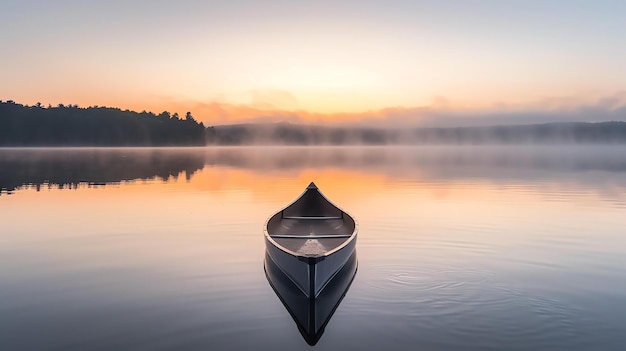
x,y
297,134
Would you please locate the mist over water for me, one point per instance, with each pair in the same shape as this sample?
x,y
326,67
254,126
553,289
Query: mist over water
x,y
517,133
460,247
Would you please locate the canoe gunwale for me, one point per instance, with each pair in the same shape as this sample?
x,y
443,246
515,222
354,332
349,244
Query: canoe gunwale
x,y
352,236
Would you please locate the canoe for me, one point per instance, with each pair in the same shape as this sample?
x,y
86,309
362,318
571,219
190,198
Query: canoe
x,y
311,315
310,240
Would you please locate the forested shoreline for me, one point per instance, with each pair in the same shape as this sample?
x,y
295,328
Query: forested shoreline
x,y
71,125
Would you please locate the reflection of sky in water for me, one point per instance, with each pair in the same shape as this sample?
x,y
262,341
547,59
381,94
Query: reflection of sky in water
x,y
471,247
579,168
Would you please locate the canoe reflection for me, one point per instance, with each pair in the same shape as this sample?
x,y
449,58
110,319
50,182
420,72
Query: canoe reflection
x,y
311,314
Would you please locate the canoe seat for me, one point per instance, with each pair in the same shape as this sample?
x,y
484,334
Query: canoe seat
x,y
311,217
315,236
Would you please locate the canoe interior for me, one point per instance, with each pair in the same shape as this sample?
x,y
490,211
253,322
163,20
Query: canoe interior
x,y
310,247
311,225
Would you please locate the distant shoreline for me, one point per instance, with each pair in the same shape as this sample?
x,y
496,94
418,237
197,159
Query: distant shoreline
x,y
610,132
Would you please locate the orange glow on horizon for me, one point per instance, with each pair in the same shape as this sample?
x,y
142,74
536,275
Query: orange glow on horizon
x,y
258,111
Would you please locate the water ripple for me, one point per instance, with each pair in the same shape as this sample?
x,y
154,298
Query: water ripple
x,y
470,304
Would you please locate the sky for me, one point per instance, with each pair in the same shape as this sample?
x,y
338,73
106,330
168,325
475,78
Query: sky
x,y
320,61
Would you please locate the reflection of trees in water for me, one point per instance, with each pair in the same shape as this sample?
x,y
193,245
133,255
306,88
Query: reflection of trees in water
x,y
68,168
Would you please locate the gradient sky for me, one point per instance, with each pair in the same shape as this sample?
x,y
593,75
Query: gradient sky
x,y
227,60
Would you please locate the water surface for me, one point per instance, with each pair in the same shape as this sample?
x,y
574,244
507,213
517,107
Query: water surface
x,y
507,248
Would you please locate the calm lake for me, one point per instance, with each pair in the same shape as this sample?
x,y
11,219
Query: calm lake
x,y
459,248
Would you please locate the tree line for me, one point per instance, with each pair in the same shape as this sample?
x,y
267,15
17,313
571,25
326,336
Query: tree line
x,y
71,125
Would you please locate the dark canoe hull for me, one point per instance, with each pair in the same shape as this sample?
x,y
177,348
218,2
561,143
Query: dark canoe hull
x,y
311,314
310,274
310,240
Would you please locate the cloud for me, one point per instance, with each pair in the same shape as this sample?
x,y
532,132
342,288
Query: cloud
x,y
271,98
440,113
